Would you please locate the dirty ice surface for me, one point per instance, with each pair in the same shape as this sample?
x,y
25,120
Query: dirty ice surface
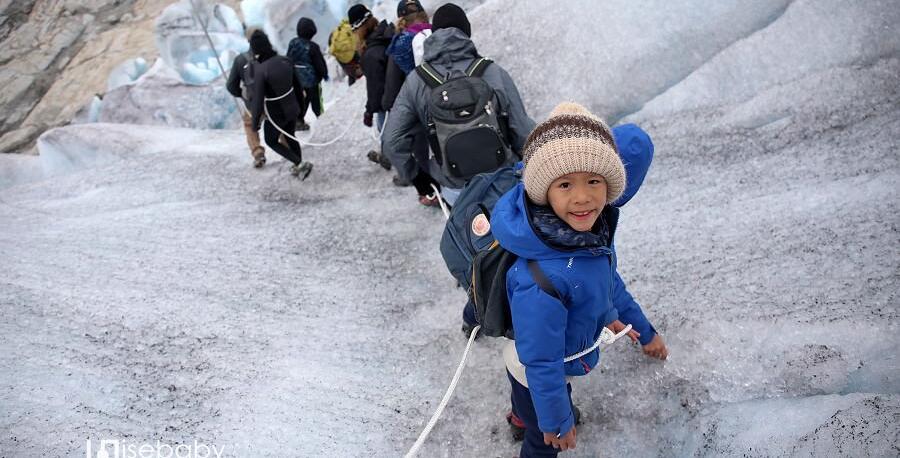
x,y
156,287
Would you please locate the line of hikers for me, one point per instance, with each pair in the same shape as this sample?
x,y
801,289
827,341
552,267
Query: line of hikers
x,y
535,207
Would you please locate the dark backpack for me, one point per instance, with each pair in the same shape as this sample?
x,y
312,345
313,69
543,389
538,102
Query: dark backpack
x,y
466,129
248,75
298,52
476,259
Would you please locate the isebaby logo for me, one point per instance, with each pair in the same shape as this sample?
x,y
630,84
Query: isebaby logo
x,y
114,448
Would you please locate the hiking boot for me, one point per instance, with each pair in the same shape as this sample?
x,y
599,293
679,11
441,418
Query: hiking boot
x,y
302,126
384,162
430,200
259,161
516,426
301,170
400,181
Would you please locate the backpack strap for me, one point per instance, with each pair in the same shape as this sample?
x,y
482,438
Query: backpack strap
x,y
478,66
429,75
541,279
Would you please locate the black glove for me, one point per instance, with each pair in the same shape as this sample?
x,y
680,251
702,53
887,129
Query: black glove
x,y
367,119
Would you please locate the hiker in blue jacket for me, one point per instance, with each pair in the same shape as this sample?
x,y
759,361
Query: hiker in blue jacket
x,y
562,217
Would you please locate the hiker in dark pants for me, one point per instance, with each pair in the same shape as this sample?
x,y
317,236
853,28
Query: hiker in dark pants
x,y
310,67
449,50
276,99
374,37
412,24
240,84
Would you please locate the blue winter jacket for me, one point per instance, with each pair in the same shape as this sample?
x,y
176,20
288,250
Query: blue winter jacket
x,y
547,329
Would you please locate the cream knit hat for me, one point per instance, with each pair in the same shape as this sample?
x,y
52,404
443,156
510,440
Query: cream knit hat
x,y
571,140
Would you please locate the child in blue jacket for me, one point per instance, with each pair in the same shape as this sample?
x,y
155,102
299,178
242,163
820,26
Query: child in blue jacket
x,y
561,217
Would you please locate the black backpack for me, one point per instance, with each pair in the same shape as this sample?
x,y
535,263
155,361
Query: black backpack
x,y
476,259
467,130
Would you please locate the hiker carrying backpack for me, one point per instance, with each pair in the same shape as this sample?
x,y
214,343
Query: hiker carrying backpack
x,y
489,97
479,263
466,127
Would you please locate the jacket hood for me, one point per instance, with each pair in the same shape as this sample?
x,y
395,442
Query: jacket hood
x,y
446,46
636,150
382,35
511,226
306,28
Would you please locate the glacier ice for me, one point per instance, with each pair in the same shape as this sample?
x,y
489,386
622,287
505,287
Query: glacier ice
x,y
183,45
161,97
126,73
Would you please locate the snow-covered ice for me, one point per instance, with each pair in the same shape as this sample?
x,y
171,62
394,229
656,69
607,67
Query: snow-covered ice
x,y
155,286
184,46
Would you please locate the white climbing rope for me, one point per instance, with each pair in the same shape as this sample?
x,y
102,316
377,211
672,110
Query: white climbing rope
x,y
606,337
291,136
441,201
440,408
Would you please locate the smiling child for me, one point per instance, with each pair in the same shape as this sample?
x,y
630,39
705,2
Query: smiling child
x,y
560,217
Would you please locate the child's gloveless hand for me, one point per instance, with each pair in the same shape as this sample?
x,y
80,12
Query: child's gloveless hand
x,y
656,348
562,443
617,327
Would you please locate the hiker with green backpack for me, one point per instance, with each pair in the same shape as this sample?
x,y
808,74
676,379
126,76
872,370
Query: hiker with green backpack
x,y
468,105
561,283
343,45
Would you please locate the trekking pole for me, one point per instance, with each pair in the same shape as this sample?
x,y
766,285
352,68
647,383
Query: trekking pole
x,y
203,25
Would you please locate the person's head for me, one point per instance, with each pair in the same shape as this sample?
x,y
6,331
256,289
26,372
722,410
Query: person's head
x,y
572,165
306,28
410,12
260,45
450,15
361,20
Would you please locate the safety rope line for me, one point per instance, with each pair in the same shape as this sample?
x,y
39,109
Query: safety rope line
x,y
606,337
443,404
291,136
440,199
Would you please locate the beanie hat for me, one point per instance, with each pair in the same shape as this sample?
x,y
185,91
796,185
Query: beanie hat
x,y
408,7
357,15
451,15
571,140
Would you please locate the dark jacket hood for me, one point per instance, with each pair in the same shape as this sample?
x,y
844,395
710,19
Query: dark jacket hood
x,y
381,36
306,28
446,46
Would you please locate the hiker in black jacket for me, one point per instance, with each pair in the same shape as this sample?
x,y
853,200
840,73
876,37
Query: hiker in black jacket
x,y
240,84
307,56
276,98
375,36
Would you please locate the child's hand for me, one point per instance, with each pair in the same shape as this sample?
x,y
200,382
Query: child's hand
x,y
656,348
617,327
563,443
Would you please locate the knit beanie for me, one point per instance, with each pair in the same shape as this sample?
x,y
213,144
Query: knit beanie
x,y
571,140
357,15
450,15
